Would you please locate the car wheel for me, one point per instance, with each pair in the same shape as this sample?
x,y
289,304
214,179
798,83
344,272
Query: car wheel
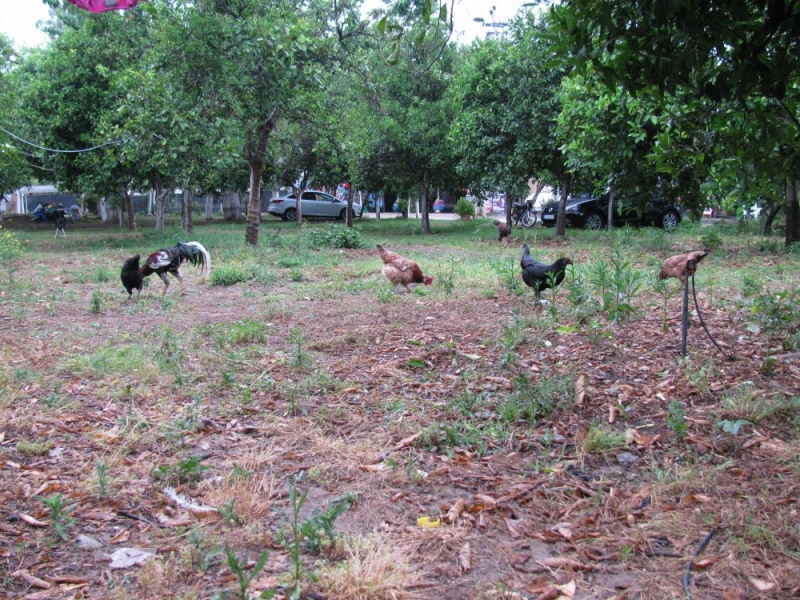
x,y
594,221
343,214
290,214
670,219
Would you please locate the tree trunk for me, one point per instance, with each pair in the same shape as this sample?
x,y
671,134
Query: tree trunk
x,y
349,217
232,207
561,219
161,200
792,213
610,215
426,216
256,156
128,196
772,212
186,212
209,207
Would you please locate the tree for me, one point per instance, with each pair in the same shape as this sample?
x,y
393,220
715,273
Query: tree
x,y
725,54
508,103
247,61
71,102
14,169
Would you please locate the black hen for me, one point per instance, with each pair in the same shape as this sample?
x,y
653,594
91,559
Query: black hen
x,y
540,276
132,278
169,260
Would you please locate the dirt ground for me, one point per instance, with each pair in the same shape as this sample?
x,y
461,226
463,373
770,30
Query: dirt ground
x,y
375,401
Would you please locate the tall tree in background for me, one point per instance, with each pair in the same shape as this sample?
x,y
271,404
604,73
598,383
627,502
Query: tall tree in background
x,y
14,169
70,100
734,53
507,106
246,61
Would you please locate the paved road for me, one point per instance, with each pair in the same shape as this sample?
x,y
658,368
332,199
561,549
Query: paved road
x,y
434,216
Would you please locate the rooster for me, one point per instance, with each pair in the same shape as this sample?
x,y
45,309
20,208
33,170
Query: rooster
x,y
541,276
400,270
503,231
169,260
132,278
679,265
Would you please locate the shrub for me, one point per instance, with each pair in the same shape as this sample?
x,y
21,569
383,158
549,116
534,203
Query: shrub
x,y
464,208
231,274
335,236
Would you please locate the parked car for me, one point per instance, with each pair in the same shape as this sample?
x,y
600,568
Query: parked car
x,y
314,204
591,212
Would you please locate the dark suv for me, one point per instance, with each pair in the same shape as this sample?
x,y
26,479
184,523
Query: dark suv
x,y
591,212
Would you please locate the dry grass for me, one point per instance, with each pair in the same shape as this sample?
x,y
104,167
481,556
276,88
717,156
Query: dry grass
x,y
374,567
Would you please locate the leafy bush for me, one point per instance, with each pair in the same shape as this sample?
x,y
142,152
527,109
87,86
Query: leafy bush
x,y
464,208
231,274
711,239
10,246
335,236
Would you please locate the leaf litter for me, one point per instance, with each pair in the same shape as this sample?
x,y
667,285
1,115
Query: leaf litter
x,y
402,409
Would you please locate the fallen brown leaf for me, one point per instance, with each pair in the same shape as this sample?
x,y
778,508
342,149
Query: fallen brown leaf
x,y
32,580
557,562
761,585
122,536
31,521
455,511
465,558
733,594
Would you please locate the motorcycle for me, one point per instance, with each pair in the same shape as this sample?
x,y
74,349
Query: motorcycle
x,y
522,214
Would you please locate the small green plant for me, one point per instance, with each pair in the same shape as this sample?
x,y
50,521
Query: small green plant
x,y
292,540
601,439
243,578
746,403
228,512
508,275
464,208
623,285
751,286
185,471
101,470
317,530
37,448
96,303
10,248
60,518
733,427
102,274
446,277
661,288
532,400
239,474
300,357
676,419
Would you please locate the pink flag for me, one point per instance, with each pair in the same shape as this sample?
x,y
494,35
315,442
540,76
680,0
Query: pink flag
x,y
98,6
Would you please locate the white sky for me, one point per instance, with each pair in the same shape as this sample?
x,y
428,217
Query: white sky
x,y
18,21
18,18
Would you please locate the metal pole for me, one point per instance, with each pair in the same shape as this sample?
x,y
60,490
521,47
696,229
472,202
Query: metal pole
x,y
685,316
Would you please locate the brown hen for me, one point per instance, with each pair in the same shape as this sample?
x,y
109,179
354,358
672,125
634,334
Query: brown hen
x,y
679,266
401,270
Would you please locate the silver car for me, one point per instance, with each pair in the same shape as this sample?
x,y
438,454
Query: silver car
x,y
315,204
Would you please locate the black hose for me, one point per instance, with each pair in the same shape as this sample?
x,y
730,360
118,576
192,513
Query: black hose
x,y
708,333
